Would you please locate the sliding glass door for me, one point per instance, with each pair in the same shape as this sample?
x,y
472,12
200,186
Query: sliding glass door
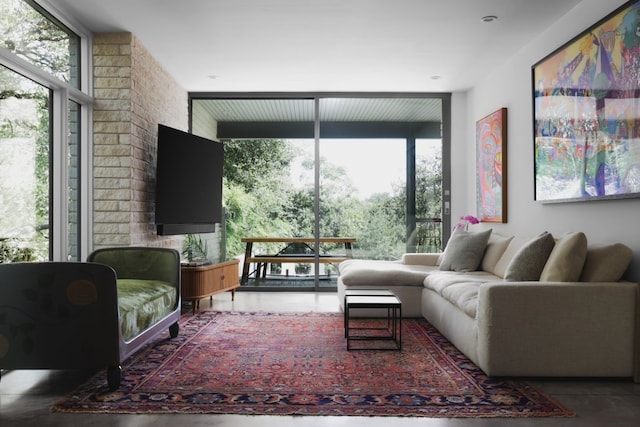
x,y
311,182
426,227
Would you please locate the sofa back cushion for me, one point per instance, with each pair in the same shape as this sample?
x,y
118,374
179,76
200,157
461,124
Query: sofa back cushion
x,y
566,260
606,262
374,273
464,250
513,247
495,249
527,264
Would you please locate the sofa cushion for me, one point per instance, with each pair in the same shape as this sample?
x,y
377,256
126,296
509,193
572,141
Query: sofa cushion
x,y
464,250
421,258
360,272
528,262
495,249
606,262
439,280
460,289
143,303
463,295
566,260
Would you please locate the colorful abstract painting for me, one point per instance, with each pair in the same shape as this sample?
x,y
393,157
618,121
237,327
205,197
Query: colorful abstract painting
x,y
586,111
491,183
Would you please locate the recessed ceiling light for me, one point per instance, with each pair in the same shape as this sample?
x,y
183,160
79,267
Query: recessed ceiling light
x,y
489,18
435,77
212,76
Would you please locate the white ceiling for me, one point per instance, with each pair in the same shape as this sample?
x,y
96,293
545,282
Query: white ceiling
x,y
323,45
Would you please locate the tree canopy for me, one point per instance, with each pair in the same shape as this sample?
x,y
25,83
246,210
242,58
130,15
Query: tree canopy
x,y
261,199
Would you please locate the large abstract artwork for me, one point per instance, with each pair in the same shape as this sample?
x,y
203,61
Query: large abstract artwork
x,y
587,113
491,167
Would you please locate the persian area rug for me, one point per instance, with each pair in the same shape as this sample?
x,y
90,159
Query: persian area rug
x,y
298,364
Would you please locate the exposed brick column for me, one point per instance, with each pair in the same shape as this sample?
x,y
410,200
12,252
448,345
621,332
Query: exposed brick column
x,y
132,94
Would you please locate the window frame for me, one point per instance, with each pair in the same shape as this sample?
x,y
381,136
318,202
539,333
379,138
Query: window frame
x,y
303,132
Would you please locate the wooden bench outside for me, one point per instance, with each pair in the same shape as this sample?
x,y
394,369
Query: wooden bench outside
x,y
296,259
261,261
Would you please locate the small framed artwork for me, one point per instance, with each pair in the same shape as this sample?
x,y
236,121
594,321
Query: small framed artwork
x,y
491,167
586,99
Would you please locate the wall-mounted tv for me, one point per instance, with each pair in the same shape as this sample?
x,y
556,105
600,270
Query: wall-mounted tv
x,y
188,183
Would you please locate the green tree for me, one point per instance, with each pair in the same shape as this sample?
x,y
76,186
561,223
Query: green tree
x,y
383,237
429,187
254,163
33,35
25,118
36,38
261,200
340,212
256,187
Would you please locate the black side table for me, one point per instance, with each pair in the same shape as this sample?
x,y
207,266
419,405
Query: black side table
x,y
359,299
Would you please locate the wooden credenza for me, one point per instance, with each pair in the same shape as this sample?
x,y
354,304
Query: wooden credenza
x,y
207,280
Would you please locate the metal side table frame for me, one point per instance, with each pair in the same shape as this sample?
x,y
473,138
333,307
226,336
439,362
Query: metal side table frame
x,y
374,299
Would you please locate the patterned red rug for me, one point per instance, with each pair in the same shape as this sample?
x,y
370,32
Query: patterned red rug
x,y
297,364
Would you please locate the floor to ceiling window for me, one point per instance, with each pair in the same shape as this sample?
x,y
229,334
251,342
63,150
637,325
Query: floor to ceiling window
x,y
42,129
24,169
363,194
368,170
427,232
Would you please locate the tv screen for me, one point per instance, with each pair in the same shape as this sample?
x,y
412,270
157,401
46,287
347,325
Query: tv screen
x,y
188,183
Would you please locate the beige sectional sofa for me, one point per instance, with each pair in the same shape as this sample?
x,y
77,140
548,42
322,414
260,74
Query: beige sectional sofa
x,y
519,306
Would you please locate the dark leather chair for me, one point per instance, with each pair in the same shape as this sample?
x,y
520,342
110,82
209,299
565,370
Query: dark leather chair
x,y
59,315
66,315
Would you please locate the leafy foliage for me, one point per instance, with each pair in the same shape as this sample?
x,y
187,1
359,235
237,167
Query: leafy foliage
x,y
262,200
32,34
36,38
195,248
429,187
255,164
11,250
24,126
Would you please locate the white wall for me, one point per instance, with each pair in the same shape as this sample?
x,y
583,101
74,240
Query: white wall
x,y
462,152
510,86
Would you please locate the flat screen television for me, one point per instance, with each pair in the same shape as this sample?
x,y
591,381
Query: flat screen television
x,y
188,183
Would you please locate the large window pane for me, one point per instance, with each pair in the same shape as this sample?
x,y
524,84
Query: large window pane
x,y
428,230
29,32
257,192
363,194
379,164
379,192
269,192
24,169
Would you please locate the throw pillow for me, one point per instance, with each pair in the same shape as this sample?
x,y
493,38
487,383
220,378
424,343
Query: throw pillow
x,y
495,249
566,260
464,250
528,262
512,249
606,263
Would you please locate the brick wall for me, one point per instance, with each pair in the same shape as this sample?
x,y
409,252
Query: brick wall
x,y
132,94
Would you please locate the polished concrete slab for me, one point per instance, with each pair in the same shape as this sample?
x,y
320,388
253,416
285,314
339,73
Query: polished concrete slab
x,y
26,396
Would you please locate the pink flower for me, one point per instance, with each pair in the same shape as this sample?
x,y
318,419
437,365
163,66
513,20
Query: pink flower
x,y
471,219
465,221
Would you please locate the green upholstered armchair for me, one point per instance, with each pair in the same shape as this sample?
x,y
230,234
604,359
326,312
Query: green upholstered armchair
x,y
148,292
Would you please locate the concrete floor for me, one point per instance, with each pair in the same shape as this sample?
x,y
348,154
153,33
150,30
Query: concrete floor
x,y
26,396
